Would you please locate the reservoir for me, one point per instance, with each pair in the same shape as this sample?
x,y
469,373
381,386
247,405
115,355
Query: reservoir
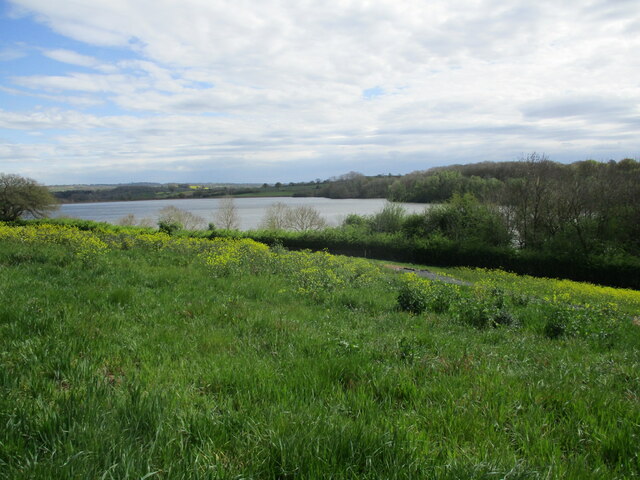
x,y
250,210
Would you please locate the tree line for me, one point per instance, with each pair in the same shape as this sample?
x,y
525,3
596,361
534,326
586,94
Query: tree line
x,y
585,213
583,208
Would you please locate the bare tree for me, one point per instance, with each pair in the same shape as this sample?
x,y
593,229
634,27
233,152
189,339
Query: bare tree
x,y
276,217
130,220
146,222
304,218
186,220
227,215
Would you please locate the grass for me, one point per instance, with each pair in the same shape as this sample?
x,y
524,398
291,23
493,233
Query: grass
x,y
155,360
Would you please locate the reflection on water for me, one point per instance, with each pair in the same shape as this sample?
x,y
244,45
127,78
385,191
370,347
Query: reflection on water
x,y
250,211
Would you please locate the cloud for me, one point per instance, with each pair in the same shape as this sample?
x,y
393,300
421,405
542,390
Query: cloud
x,y
12,53
299,83
75,100
582,106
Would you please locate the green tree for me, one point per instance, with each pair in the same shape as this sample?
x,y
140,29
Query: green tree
x,y
23,196
464,220
389,219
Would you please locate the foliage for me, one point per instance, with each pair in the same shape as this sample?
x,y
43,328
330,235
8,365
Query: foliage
x,y
526,288
156,360
227,256
412,294
168,227
20,196
173,218
466,221
320,275
354,220
389,219
484,307
355,239
416,295
84,245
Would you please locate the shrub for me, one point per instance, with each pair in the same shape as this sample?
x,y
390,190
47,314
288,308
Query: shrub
x,y
232,256
168,227
412,294
84,244
484,308
389,219
554,328
354,219
415,225
466,221
598,323
476,313
183,218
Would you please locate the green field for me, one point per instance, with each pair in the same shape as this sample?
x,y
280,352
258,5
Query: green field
x,y
139,355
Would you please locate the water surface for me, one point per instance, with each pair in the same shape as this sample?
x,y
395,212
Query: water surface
x,y
251,211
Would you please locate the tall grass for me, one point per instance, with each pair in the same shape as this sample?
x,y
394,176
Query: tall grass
x,y
152,358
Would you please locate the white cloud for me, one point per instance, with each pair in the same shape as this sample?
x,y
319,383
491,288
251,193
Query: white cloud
x,y
279,81
12,53
68,56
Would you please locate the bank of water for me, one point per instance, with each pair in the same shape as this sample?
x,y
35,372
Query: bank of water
x,y
251,211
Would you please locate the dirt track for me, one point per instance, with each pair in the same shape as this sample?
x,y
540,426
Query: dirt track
x,y
428,274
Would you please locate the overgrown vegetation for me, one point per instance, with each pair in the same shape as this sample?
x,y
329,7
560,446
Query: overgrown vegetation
x,y
535,216
129,353
23,196
582,209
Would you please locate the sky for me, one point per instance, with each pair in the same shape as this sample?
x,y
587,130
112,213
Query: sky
x,y
116,91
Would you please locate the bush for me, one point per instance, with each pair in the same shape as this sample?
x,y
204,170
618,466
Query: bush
x,y
441,296
169,227
183,218
412,294
354,219
415,225
416,295
390,219
466,221
484,308
475,313
553,328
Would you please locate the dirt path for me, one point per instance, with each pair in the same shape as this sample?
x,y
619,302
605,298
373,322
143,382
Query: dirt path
x,y
428,274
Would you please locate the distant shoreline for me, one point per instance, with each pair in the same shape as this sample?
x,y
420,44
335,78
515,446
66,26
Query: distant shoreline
x,y
284,195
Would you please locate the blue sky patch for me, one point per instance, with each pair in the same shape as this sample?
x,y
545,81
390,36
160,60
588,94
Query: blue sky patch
x,y
371,93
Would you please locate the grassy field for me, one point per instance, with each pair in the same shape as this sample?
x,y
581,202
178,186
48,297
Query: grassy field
x,y
129,355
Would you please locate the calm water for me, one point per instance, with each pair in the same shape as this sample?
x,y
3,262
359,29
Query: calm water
x,y
250,211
